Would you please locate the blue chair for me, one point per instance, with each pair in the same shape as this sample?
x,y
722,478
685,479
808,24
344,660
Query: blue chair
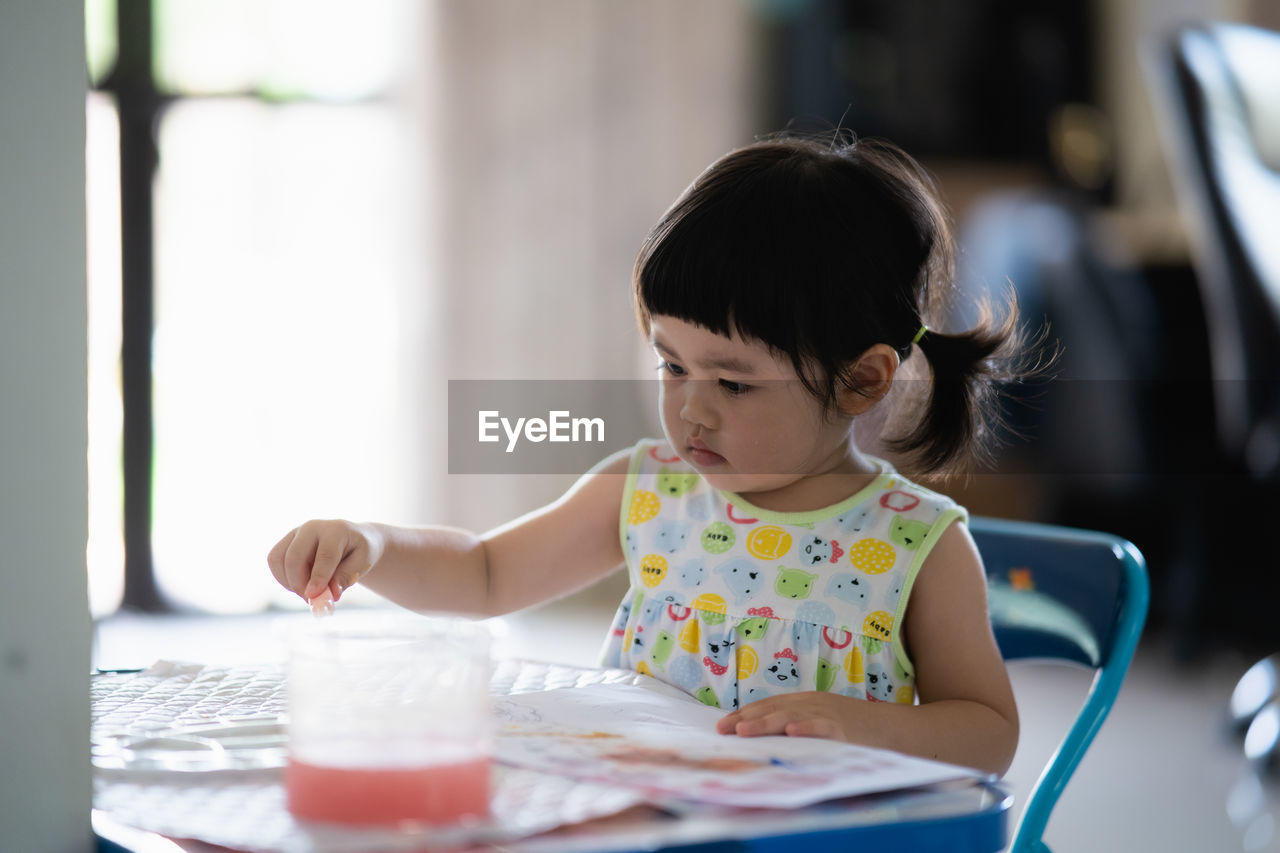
x,y
1071,595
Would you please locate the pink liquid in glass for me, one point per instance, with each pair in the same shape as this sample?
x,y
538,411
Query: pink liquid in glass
x,y
438,793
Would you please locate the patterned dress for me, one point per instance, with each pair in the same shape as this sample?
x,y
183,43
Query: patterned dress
x,y
733,603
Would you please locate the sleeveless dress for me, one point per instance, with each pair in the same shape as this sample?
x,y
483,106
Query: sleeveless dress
x,y
733,603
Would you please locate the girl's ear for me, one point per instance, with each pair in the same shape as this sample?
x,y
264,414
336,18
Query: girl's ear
x,y
867,380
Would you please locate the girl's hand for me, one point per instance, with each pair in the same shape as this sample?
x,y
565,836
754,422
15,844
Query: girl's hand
x,y
320,554
808,714
966,714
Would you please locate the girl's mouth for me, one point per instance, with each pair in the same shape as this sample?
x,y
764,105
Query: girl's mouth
x,y
704,456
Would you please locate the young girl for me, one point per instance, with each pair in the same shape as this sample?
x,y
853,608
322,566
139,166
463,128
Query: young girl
x,y
777,571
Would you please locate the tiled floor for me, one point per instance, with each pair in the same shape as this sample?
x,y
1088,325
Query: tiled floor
x,y
1165,774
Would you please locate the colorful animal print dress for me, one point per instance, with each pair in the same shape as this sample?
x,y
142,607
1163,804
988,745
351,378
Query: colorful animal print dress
x,y
733,603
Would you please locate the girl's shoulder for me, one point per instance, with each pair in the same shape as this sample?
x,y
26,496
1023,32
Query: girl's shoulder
x,y
899,493
907,513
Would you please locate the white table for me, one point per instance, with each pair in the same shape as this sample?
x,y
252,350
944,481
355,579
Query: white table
x,y
240,806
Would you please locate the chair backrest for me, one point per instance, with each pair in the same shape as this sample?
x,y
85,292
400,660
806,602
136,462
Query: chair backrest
x,y
1063,594
1217,90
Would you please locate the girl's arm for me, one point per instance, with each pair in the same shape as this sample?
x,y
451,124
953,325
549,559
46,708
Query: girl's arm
x,y
540,556
966,714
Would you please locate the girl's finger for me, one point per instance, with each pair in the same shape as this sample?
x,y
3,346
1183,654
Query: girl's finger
x,y
275,558
322,604
297,560
346,575
728,724
813,727
349,572
330,551
770,724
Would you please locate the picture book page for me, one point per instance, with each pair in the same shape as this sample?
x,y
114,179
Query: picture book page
x,y
668,748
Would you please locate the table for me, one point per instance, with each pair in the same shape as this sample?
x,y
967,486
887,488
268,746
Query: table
x,y
240,806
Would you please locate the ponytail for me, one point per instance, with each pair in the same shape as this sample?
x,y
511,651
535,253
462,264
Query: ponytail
x,y
963,412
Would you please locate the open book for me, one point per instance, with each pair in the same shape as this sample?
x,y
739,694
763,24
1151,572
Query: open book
x,y
667,747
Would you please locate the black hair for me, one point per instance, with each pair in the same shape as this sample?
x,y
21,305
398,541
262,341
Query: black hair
x,y
821,249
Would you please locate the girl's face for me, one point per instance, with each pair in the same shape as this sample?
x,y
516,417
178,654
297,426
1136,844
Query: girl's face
x,y
738,413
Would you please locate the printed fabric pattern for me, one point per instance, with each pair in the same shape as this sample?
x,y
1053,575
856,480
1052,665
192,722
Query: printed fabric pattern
x,y
733,603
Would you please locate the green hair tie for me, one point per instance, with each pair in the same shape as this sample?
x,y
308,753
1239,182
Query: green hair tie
x,y
920,334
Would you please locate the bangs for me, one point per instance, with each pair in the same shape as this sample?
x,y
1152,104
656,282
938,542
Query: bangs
x,y
774,243
715,269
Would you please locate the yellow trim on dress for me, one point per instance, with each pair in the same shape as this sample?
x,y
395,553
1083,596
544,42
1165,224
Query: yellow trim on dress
x,y
943,521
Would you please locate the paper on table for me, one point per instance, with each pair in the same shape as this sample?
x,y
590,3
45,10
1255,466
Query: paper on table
x,y
669,749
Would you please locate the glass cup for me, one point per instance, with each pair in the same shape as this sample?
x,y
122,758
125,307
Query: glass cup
x,y
389,720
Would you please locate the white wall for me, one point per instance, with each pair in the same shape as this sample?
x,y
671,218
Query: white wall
x,y
44,618
557,133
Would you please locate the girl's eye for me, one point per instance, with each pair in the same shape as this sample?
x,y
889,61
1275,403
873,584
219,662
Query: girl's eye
x,y
734,388
668,367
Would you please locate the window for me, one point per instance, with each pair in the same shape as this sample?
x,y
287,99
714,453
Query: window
x,y
273,244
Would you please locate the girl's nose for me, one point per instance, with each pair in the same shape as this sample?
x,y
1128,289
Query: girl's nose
x,y
697,407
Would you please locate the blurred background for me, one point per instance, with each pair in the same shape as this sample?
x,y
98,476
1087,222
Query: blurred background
x,y
304,217
332,209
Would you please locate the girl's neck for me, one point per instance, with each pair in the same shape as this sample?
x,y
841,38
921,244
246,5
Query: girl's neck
x,y
843,476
